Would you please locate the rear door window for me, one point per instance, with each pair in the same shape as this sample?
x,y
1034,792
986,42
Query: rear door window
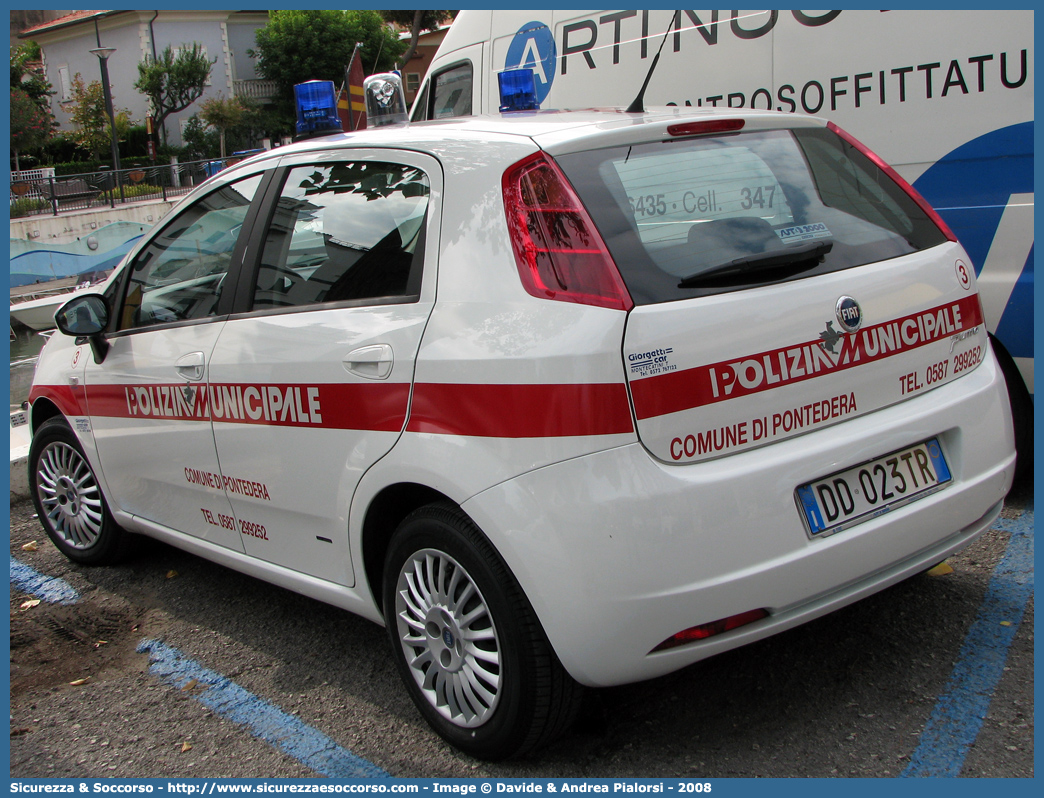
x,y
350,231
695,216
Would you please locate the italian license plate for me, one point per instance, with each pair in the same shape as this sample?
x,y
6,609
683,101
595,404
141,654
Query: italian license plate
x,y
842,500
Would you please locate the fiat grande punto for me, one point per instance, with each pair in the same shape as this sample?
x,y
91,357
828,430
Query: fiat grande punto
x,y
562,399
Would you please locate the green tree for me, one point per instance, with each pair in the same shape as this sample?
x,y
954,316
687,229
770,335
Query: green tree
x,y
297,46
416,22
31,124
27,75
173,81
124,123
223,114
200,141
91,119
88,116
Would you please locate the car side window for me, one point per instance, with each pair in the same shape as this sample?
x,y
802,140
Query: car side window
x,y
180,274
451,92
344,231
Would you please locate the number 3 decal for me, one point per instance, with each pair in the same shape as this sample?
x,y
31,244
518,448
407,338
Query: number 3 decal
x,y
963,275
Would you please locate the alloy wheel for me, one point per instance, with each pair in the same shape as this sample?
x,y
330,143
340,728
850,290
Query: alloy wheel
x,y
448,638
69,495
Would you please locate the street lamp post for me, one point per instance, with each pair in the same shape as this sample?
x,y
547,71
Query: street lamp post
x,y
103,54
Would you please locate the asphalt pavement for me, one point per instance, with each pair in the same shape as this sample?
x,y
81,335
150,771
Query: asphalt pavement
x,y
170,666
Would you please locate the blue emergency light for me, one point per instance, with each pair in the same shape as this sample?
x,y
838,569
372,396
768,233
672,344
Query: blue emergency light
x,y
316,108
517,90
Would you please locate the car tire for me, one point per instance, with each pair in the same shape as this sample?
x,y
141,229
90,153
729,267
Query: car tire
x,y
68,497
466,641
1021,411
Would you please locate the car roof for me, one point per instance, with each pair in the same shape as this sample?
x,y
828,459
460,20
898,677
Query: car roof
x,y
557,131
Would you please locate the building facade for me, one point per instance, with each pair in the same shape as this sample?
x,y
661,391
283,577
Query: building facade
x,y
225,36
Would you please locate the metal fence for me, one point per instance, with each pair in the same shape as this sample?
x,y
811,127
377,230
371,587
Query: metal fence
x,y
34,195
32,175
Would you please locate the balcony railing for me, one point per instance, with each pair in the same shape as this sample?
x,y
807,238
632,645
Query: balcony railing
x,y
255,89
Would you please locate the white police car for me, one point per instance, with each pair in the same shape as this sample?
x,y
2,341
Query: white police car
x,y
562,398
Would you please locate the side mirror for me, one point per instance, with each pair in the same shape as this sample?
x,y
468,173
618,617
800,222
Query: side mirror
x,y
85,318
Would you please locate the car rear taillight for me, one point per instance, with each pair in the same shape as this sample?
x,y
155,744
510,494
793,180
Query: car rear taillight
x,y
705,630
559,253
899,181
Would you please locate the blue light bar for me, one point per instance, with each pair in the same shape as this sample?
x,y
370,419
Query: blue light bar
x,y
316,108
517,90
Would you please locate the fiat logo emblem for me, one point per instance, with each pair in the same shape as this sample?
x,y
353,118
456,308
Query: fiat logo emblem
x,y
849,314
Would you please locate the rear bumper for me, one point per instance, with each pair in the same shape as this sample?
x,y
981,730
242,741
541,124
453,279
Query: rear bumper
x,y
617,552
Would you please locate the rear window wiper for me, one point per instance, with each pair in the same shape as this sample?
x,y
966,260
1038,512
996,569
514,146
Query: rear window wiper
x,y
749,267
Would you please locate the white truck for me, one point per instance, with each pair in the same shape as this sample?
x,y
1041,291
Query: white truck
x,y
945,97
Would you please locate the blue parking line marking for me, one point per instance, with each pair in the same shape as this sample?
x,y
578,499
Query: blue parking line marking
x,y
46,588
961,709
280,730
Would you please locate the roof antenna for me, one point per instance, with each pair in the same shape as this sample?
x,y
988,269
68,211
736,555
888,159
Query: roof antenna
x,y
638,106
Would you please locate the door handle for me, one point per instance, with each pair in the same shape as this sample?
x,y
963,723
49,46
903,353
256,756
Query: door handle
x,y
372,362
191,367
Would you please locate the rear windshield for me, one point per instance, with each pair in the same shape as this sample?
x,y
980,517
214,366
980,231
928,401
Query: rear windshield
x,y
698,216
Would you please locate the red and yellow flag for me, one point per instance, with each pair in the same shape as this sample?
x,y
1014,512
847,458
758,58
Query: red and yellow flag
x,y
356,119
